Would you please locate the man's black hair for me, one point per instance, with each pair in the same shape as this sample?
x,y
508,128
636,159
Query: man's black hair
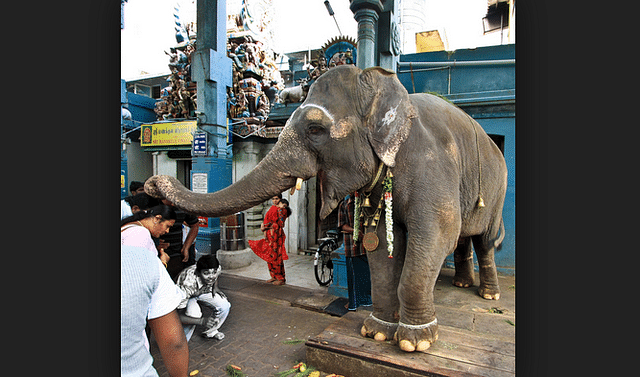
x,y
134,185
142,200
207,262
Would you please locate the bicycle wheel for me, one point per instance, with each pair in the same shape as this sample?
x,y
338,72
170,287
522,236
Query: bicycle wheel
x,y
323,265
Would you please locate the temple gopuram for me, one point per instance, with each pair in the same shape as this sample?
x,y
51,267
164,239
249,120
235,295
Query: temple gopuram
x,y
263,96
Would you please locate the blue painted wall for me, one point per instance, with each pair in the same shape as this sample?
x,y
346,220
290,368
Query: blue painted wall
x,y
487,93
141,109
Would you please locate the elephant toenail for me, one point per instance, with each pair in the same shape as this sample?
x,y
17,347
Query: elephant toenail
x,y
406,346
423,345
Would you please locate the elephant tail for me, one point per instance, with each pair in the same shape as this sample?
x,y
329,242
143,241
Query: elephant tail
x,y
498,242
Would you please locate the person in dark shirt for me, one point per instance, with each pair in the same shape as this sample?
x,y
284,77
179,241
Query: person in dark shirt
x,y
136,187
183,254
358,277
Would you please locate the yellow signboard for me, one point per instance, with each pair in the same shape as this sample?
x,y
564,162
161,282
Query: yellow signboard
x,y
166,134
429,41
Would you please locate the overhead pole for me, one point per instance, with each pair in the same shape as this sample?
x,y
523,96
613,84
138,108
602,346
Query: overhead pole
x,y
332,14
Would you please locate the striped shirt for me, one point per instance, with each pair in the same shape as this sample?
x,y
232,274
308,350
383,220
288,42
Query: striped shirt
x,y
345,217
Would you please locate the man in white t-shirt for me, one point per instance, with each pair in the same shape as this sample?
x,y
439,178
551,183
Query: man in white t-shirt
x,y
147,294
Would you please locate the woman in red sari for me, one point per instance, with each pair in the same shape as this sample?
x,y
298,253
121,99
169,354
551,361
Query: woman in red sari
x,y
271,248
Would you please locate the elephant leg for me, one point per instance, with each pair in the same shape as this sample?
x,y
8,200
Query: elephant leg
x,y
489,288
418,326
463,259
385,276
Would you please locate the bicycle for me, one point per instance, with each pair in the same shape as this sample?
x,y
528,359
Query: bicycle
x,y
322,263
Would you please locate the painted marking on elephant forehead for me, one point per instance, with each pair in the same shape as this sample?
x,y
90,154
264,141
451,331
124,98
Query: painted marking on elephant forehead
x,y
313,114
342,128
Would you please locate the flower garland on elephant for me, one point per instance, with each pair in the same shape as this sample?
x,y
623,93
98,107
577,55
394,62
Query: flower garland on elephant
x,y
387,185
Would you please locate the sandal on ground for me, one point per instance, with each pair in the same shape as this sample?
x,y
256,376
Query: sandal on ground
x,y
279,282
213,335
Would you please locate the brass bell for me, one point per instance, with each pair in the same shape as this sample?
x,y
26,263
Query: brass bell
x,y
366,222
366,203
480,202
376,217
373,222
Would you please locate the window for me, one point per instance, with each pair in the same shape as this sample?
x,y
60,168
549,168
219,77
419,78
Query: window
x,y
497,17
143,90
499,140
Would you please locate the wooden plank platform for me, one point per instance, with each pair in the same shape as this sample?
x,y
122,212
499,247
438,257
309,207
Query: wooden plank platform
x,y
458,352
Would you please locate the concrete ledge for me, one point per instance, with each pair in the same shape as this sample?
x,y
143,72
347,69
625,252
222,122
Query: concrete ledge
x,y
230,260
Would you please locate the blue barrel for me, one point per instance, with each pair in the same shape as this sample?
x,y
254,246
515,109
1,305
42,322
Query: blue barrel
x,y
339,285
205,239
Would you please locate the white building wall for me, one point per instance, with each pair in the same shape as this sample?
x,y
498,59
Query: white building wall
x,y
246,155
459,23
163,165
139,163
412,21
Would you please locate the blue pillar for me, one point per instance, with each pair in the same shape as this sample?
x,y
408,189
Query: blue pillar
x,y
212,69
388,36
366,12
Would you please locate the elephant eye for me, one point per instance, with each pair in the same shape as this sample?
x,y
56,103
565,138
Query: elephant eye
x,y
316,133
315,130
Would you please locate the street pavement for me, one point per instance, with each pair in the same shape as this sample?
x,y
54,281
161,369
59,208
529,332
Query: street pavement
x,y
264,332
268,325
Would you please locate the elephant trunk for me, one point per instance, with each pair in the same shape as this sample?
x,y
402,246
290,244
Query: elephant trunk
x,y
270,177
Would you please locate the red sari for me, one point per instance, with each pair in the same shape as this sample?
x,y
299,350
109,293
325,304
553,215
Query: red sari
x,y
271,248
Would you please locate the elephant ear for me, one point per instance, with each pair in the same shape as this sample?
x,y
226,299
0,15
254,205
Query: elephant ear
x,y
387,111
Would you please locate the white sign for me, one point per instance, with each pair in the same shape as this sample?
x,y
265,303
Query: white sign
x,y
199,183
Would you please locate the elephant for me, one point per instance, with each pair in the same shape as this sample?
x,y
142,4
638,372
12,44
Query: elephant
x,y
449,185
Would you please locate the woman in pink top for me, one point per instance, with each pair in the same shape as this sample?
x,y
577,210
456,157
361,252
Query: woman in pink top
x,y
137,230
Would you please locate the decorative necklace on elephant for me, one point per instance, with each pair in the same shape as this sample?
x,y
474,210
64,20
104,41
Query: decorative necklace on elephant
x,y
370,239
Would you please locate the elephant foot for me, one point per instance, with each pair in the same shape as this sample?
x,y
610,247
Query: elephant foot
x,y
489,293
378,329
463,281
419,338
